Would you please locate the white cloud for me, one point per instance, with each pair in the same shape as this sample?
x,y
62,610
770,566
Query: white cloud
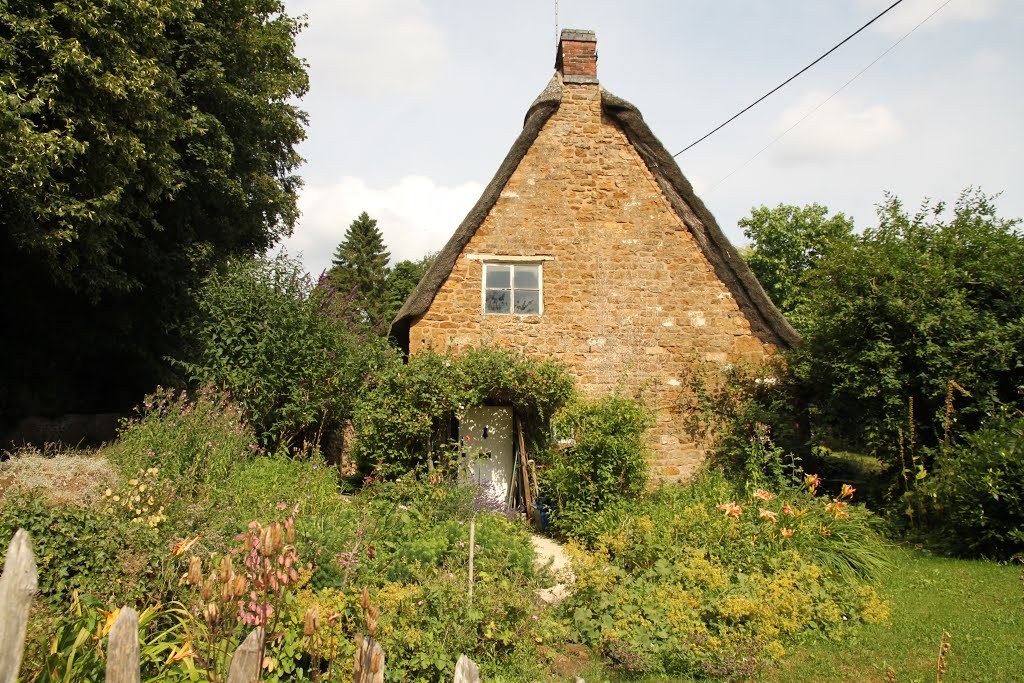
x,y
371,45
910,14
838,129
416,216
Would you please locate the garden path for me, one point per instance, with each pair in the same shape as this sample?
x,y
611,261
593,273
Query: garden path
x,y
551,554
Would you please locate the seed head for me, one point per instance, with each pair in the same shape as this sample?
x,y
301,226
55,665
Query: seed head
x,y
195,571
311,621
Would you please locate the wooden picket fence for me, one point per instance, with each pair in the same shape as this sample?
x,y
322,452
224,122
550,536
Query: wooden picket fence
x,y
18,586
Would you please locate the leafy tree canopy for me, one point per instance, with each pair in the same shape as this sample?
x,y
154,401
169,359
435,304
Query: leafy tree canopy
x,y
141,145
402,279
786,243
896,314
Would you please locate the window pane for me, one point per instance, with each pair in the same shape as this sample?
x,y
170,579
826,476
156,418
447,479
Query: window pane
x,y
527,302
526,276
498,301
498,277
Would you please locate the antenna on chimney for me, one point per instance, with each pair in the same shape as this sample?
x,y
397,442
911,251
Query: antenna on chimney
x,y
557,35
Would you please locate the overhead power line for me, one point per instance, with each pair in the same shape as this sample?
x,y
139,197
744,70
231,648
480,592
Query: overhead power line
x,y
785,82
827,99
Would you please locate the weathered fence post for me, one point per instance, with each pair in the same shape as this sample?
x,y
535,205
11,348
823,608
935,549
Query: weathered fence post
x,y
123,648
17,586
472,546
466,671
246,663
369,666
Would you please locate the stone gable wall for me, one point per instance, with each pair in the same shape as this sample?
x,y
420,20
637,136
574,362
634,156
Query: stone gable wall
x,y
629,299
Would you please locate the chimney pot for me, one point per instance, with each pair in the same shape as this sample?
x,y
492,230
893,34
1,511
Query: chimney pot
x,y
576,58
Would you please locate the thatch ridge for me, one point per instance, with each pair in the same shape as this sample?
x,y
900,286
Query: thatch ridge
x,y
766,321
419,301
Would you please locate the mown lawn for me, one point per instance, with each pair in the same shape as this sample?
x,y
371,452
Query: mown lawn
x,y
980,604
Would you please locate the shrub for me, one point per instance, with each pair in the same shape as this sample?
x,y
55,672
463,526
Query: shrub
x,y
905,308
605,465
711,581
283,347
974,502
404,416
749,417
193,440
75,547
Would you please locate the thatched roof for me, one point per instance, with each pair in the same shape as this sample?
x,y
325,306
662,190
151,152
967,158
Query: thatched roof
x,y
766,320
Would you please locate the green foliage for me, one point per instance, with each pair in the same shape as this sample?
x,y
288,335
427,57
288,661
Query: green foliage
x,y
275,342
76,652
904,309
787,242
193,440
976,603
402,280
75,547
405,412
974,500
605,465
360,272
141,145
711,581
749,416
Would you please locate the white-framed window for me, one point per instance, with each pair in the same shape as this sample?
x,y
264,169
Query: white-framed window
x,y
513,288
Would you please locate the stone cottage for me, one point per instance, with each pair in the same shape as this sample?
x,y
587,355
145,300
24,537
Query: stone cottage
x,y
590,246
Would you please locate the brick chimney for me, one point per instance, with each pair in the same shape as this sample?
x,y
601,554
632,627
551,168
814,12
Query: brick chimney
x,y
576,59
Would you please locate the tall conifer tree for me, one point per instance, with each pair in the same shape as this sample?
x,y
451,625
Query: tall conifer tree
x,y
360,268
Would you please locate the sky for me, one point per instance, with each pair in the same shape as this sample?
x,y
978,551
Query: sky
x,y
413,104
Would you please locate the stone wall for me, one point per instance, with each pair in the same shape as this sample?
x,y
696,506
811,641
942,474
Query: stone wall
x,y
630,301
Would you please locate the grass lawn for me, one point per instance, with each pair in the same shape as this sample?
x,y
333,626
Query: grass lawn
x,y
980,604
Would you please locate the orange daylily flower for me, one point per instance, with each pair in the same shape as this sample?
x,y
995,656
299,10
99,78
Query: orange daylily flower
x,y
767,514
787,509
730,509
812,481
788,533
766,496
184,546
110,618
847,491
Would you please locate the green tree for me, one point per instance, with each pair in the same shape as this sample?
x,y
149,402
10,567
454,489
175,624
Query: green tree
x,y
895,315
360,271
270,336
786,243
141,146
402,279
